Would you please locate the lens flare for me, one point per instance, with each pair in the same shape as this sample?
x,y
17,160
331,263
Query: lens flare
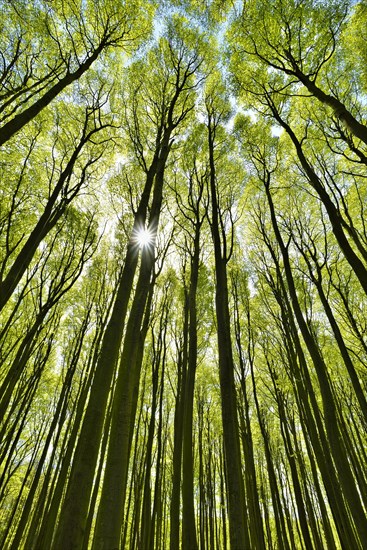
x,y
144,237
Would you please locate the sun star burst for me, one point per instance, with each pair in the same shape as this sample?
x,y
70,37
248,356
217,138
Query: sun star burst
x,y
144,237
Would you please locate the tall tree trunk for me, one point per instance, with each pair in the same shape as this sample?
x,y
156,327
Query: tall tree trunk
x,y
238,530
177,440
189,540
333,213
340,110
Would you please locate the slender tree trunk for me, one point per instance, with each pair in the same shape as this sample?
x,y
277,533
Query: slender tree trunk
x,y
252,494
177,442
333,213
146,517
317,280
238,529
48,219
341,112
20,120
189,540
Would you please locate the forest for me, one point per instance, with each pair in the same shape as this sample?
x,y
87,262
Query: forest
x,y
183,275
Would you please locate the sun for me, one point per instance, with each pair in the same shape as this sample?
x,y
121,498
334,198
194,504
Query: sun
x,y
144,237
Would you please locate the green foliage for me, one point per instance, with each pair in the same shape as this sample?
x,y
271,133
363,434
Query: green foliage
x,y
290,188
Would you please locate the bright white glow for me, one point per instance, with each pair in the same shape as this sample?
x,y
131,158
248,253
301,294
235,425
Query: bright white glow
x,y
144,237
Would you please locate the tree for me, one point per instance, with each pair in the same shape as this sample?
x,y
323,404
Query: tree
x,y
221,218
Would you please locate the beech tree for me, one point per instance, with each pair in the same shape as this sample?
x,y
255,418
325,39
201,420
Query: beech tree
x,y
183,275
